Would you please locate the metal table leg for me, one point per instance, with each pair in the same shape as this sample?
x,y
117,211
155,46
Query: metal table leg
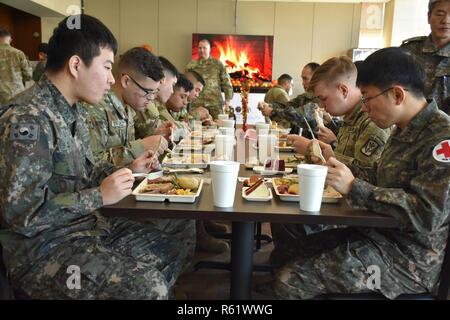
x,y
242,260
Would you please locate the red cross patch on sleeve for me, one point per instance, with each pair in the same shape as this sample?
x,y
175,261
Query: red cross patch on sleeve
x,y
441,152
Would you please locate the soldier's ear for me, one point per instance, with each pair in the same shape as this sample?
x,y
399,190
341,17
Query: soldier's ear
x,y
74,66
344,90
399,94
124,81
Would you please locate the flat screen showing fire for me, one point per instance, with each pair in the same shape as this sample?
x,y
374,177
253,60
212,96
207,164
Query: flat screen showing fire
x,y
243,55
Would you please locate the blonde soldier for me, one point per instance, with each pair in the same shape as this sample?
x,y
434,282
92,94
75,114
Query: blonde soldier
x,y
15,69
433,52
359,140
148,122
111,123
216,78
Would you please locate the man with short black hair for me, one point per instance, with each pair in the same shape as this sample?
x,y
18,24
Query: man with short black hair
x,y
111,123
40,67
51,186
433,52
411,183
15,69
297,111
177,102
281,91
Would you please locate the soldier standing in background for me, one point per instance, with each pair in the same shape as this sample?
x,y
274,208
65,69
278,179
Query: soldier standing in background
x,y
15,68
433,52
216,79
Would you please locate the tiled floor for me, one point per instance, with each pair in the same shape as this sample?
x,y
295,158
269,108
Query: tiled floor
x,y
210,284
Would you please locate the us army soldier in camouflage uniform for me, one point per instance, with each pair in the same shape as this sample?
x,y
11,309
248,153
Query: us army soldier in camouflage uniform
x,y
294,113
111,123
280,92
360,141
111,126
15,69
411,184
148,121
49,186
216,78
434,53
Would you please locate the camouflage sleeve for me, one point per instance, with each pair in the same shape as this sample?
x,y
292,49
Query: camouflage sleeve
x,y
28,204
190,66
225,83
282,97
27,70
368,147
146,122
296,115
118,155
424,206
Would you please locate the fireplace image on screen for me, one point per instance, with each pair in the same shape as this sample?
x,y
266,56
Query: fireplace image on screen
x,y
245,56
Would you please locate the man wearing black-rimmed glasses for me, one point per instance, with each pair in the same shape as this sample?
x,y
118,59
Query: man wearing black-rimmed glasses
x,y
111,123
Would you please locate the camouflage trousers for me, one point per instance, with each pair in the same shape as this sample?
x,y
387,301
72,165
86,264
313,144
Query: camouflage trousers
x,y
133,261
332,261
183,230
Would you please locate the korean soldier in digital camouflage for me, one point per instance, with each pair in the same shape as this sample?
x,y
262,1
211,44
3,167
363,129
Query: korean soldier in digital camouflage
x,y
148,122
50,188
295,113
433,52
411,183
15,69
112,133
216,78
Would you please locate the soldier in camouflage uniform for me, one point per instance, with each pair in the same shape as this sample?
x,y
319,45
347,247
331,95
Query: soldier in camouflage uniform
x,y
411,183
359,142
280,92
40,67
434,53
295,113
111,126
216,78
190,114
15,69
49,187
147,122
111,123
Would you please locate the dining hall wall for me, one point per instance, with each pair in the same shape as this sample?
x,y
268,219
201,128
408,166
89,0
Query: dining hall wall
x,y
303,32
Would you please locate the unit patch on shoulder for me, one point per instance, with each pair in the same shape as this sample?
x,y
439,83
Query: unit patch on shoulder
x,y
370,147
24,132
441,152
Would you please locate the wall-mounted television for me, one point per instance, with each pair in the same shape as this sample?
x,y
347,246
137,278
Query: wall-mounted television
x,y
243,55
